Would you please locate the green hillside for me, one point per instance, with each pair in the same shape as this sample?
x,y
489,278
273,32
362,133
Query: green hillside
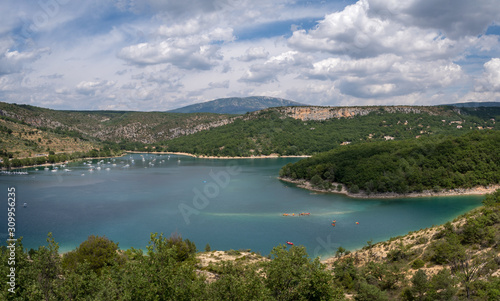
x,y
65,128
272,132
432,163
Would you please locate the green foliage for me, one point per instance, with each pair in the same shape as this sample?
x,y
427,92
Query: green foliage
x,y
238,282
432,163
417,264
97,251
447,250
185,249
492,199
368,292
208,248
354,189
291,275
271,131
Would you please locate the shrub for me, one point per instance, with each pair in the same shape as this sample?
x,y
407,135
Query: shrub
x,y
417,264
98,251
354,189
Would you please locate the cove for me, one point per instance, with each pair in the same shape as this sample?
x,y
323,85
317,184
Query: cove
x,y
230,204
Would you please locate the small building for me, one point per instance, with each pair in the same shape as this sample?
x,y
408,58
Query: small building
x,y
388,138
345,143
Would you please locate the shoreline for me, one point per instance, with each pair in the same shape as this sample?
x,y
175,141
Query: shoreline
x,y
273,156
58,163
478,190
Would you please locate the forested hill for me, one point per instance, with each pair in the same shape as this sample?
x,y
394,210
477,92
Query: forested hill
x,y
26,131
310,130
431,163
298,130
237,105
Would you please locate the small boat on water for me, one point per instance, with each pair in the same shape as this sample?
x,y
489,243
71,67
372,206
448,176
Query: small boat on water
x,y
305,213
289,243
25,205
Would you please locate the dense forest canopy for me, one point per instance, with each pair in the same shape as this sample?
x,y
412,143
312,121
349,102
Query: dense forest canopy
x,y
269,132
428,163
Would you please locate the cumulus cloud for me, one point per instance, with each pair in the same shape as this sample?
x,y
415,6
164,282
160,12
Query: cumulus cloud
x,y
94,87
490,79
182,55
455,18
254,53
14,61
387,75
190,45
143,54
354,32
216,85
274,66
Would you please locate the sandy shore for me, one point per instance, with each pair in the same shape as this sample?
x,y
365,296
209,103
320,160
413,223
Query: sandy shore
x,y
479,190
215,157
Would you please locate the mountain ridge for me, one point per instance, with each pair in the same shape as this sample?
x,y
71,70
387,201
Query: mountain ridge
x,y
236,105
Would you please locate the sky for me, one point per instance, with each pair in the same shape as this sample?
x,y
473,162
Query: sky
x,y
155,55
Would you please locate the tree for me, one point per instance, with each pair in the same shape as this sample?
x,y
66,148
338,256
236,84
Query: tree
x,y
419,284
185,249
98,251
468,270
368,292
316,181
492,198
291,275
238,282
442,286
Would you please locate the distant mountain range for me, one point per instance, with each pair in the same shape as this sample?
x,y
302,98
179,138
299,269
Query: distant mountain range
x,y
237,105
475,104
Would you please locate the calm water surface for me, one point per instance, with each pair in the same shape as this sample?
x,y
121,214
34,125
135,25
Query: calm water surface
x,y
231,204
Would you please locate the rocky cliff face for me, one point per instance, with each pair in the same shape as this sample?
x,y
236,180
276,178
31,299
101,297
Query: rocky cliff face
x,y
324,113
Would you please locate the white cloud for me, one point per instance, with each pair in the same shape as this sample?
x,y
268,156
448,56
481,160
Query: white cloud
x,y
189,45
152,54
94,87
286,62
386,75
455,18
14,61
216,85
490,79
254,53
356,33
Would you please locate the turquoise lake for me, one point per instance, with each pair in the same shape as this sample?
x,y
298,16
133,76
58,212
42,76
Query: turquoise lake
x,y
231,204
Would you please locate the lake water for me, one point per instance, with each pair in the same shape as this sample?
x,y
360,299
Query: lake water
x,y
230,204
